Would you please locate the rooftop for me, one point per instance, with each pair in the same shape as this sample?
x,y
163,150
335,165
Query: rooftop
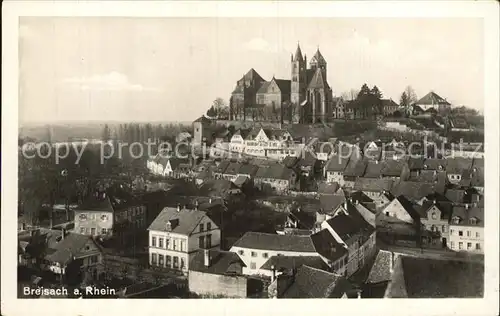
x,y
265,241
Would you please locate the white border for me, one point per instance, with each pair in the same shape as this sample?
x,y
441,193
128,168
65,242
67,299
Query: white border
x,y
13,9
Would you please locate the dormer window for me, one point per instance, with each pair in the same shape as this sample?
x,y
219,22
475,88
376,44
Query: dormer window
x,y
473,221
168,226
456,220
83,217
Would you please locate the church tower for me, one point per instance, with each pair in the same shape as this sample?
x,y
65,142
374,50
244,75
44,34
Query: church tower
x,y
299,77
318,62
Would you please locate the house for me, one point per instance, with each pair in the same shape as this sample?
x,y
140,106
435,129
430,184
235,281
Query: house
x,y
393,276
434,217
354,170
275,177
231,172
433,100
394,169
255,249
248,170
308,282
237,142
455,196
220,188
306,164
68,254
298,222
328,188
389,107
373,187
219,170
382,199
402,209
329,205
434,164
168,166
415,191
334,169
459,124
399,223
277,265
216,273
356,235
177,234
324,150
457,167
111,212
467,229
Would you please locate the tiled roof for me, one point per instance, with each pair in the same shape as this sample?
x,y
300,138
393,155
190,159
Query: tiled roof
x,y
388,102
432,98
233,168
330,203
240,181
458,165
290,161
248,169
306,220
326,245
318,57
263,87
415,163
221,262
445,209
478,177
64,250
380,270
264,241
182,222
373,169
252,75
318,81
393,168
434,164
427,278
287,263
203,119
314,283
455,195
478,163
466,214
221,168
412,190
284,85
337,163
345,226
274,171
355,168
378,185
328,188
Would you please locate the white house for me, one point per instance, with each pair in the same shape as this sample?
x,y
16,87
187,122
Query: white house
x,y
177,234
467,229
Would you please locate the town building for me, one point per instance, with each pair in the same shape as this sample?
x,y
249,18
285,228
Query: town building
x,y
177,234
467,229
434,101
113,212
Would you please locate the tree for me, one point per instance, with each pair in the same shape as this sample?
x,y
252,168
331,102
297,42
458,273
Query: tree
x,y
219,109
408,98
376,92
211,112
350,95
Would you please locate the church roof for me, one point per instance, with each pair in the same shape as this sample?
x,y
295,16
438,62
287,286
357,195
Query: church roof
x,y
252,75
318,58
432,98
298,54
318,81
284,85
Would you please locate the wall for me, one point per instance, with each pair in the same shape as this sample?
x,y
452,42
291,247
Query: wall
x,y
455,239
395,209
215,284
193,243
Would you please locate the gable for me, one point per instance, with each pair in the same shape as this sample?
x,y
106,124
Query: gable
x,y
396,210
340,210
88,248
273,87
261,136
433,211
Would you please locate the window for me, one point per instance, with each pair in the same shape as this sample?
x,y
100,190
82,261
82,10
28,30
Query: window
x,y
183,245
443,228
92,231
241,252
468,233
174,244
253,265
167,243
451,231
153,258
460,233
477,234
160,242
82,230
201,242
254,254
183,264
469,246
160,260
265,255
153,241
460,245
201,227
209,241
478,246
94,259
176,263
104,231
209,226
168,261
452,245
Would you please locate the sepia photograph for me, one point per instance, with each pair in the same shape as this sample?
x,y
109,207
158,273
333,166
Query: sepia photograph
x,y
252,157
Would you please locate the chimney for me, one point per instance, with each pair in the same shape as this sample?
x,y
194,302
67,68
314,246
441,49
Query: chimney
x,y
63,232
196,205
206,254
273,276
466,206
359,293
210,201
178,207
357,202
391,263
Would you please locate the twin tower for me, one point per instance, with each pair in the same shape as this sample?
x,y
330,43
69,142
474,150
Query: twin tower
x,y
309,87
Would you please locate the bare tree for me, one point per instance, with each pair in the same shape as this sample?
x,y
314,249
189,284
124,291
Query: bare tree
x,y
408,98
350,95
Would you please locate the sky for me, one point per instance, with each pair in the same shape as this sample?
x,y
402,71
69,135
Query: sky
x,y
171,69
